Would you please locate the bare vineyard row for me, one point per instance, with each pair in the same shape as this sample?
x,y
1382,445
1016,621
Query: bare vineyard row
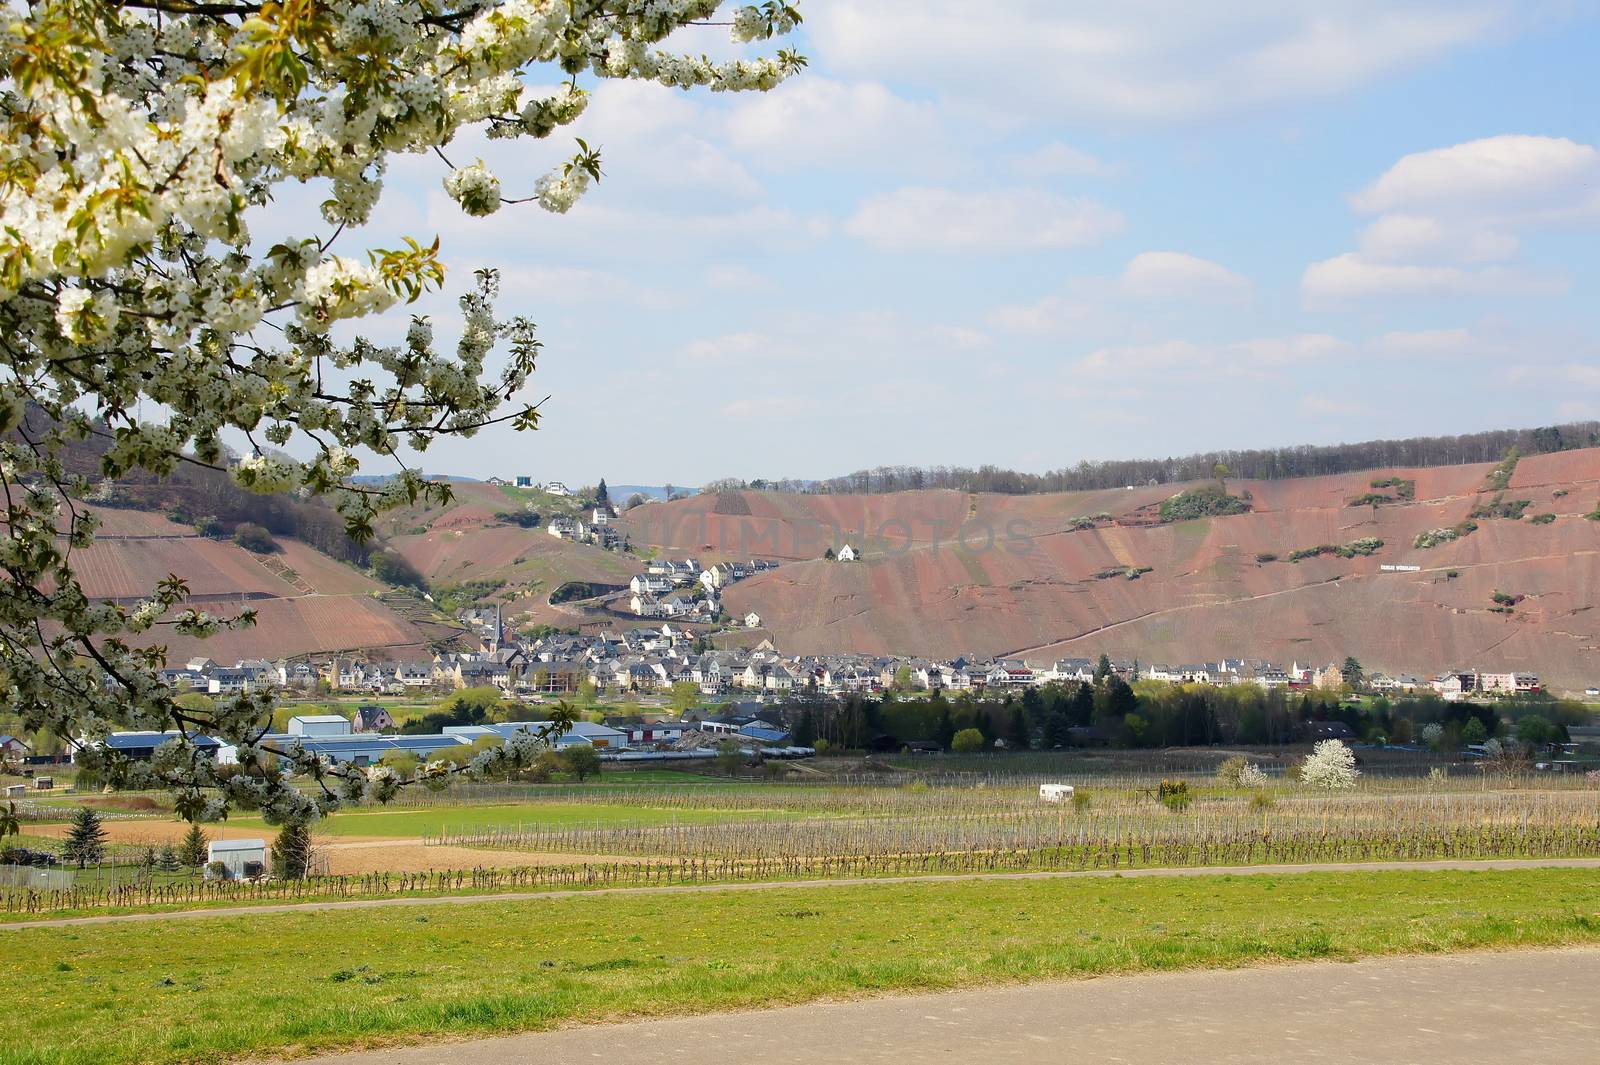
x,y
1130,852
1489,824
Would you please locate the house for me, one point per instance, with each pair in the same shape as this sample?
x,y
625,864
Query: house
x,y
676,606
14,747
1509,683
562,527
414,674
752,620
650,584
600,515
649,732
1455,684
482,674
224,681
372,718
1329,677
1013,674
524,482
1269,676
723,574
498,482
319,725
1329,730
239,859
556,488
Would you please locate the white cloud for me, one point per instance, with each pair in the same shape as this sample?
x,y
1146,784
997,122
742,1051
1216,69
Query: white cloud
x,y
1322,406
917,219
1351,278
1579,375
1514,175
1050,315
815,121
1432,343
1142,59
737,277
1422,238
532,286
1175,275
1188,361
1061,160
1444,213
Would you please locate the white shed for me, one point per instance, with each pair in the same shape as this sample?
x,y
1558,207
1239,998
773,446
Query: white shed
x,y
319,725
1055,792
241,857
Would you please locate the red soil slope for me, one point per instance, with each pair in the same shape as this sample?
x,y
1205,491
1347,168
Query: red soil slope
x,y
305,602
1014,579
463,541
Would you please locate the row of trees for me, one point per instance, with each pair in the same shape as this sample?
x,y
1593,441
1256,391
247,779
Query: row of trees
x,y
1255,464
1157,714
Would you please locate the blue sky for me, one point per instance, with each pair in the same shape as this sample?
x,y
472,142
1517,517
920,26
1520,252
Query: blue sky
x,y
1031,233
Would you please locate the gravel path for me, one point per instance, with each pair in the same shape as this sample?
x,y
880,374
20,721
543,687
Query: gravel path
x,y
1489,1007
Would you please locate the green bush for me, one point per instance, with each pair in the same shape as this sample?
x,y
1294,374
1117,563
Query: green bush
x,y
1367,545
967,741
1174,794
1511,509
1435,537
1542,519
253,537
1207,501
1500,477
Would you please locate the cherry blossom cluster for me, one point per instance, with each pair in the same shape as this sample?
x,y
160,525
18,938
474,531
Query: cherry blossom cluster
x,y
141,323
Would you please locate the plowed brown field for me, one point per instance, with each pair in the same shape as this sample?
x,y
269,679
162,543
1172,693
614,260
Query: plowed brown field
x,y
1015,580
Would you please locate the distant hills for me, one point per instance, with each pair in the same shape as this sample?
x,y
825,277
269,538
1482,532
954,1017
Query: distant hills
x,y
1047,575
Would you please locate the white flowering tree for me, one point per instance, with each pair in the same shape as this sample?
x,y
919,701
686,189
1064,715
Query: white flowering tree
x,y
141,141
1330,767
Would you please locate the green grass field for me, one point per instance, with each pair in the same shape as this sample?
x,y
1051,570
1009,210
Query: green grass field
x,y
226,987
429,820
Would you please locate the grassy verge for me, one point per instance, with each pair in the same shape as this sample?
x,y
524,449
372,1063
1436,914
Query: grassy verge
x,y
229,987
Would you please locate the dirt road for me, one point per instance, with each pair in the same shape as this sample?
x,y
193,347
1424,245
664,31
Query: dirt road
x,y
1501,1008
816,885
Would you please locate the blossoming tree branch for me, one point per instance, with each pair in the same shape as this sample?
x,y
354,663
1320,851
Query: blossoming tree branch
x,y
140,141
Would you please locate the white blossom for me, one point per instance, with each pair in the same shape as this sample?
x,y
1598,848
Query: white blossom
x,y
474,188
1330,766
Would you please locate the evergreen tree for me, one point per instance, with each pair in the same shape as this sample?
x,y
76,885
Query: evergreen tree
x,y
291,851
86,839
1352,672
1017,732
1082,710
602,498
945,731
1102,669
167,860
192,851
805,730
1057,733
